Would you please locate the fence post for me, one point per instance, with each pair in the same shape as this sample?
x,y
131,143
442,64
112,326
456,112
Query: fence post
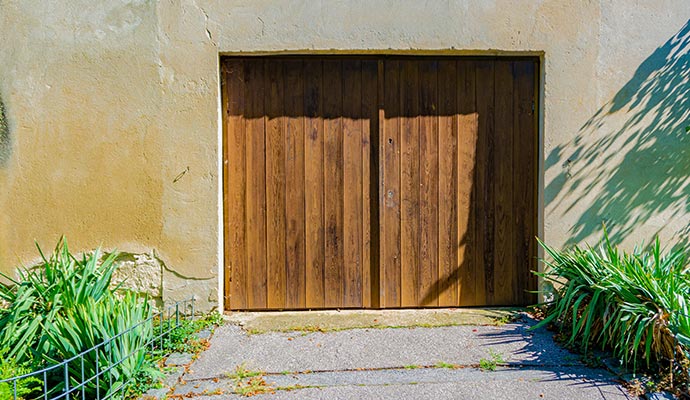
x,y
66,369
160,319
110,363
98,374
83,386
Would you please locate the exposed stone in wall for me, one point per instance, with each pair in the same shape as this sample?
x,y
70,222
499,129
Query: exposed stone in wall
x,y
142,273
147,274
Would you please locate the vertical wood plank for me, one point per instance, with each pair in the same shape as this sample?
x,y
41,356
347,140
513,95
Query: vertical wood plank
x,y
352,183
294,183
314,178
505,274
484,178
275,184
390,200
256,184
369,114
236,271
447,176
333,183
467,188
525,173
378,155
428,220
409,183
227,271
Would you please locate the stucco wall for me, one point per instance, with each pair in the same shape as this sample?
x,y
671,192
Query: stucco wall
x,y
112,112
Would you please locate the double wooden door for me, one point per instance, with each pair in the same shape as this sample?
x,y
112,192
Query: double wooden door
x,y
379,182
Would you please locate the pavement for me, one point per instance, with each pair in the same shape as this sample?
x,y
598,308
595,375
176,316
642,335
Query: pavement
x,y
409,354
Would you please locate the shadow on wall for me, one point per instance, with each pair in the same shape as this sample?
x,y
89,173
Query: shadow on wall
x,y
4,136
633,155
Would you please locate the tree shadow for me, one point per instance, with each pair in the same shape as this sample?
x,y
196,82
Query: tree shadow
x,y
630,162
540,352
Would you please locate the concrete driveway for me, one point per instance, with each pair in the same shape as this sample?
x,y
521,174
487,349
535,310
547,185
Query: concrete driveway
x,y
410,354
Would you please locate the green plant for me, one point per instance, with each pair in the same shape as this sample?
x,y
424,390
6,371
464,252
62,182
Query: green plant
x,y
182,339
255,385
24,387
636,304
65,306
43,293
506,319
490,364
241,372
121,324
211,319
296,387
442,364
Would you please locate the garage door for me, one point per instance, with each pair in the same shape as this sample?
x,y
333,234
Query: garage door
x,y
379,182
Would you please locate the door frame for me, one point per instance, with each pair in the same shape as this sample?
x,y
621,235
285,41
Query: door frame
x,y
438,53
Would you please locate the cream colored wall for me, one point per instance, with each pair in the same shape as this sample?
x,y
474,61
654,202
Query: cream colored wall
x,y
108,102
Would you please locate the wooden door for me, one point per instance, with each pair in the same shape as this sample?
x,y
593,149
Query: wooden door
x,y
379,182
298,182
458,182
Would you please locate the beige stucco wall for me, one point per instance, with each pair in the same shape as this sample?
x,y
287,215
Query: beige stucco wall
x,y
112,112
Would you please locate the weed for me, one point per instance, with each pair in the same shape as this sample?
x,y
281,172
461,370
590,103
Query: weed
x,y
214,392
254,386
412,366
241,372
213,319
296,387
505,319
442,364
182,339
490,364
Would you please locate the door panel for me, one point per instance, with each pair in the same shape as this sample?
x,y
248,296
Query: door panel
x,y
379,181
458,182
298,182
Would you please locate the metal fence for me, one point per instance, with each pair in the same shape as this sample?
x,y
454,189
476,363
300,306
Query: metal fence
x,y
63,380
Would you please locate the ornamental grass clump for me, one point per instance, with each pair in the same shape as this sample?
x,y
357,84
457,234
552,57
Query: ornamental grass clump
x,y
65,306
635,304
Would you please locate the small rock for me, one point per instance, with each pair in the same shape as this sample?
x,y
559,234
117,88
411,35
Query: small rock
x,y
660,396
204,334
176,359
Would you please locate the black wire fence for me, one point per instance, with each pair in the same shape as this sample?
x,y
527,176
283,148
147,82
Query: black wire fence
x,y
73,379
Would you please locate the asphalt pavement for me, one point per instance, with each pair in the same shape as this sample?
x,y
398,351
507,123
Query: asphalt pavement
x,y
494,360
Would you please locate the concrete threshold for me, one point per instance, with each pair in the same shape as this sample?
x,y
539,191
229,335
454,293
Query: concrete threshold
x,y
336,320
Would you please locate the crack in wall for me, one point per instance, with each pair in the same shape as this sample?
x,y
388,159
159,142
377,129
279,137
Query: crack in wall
x,y
4,136
206,19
